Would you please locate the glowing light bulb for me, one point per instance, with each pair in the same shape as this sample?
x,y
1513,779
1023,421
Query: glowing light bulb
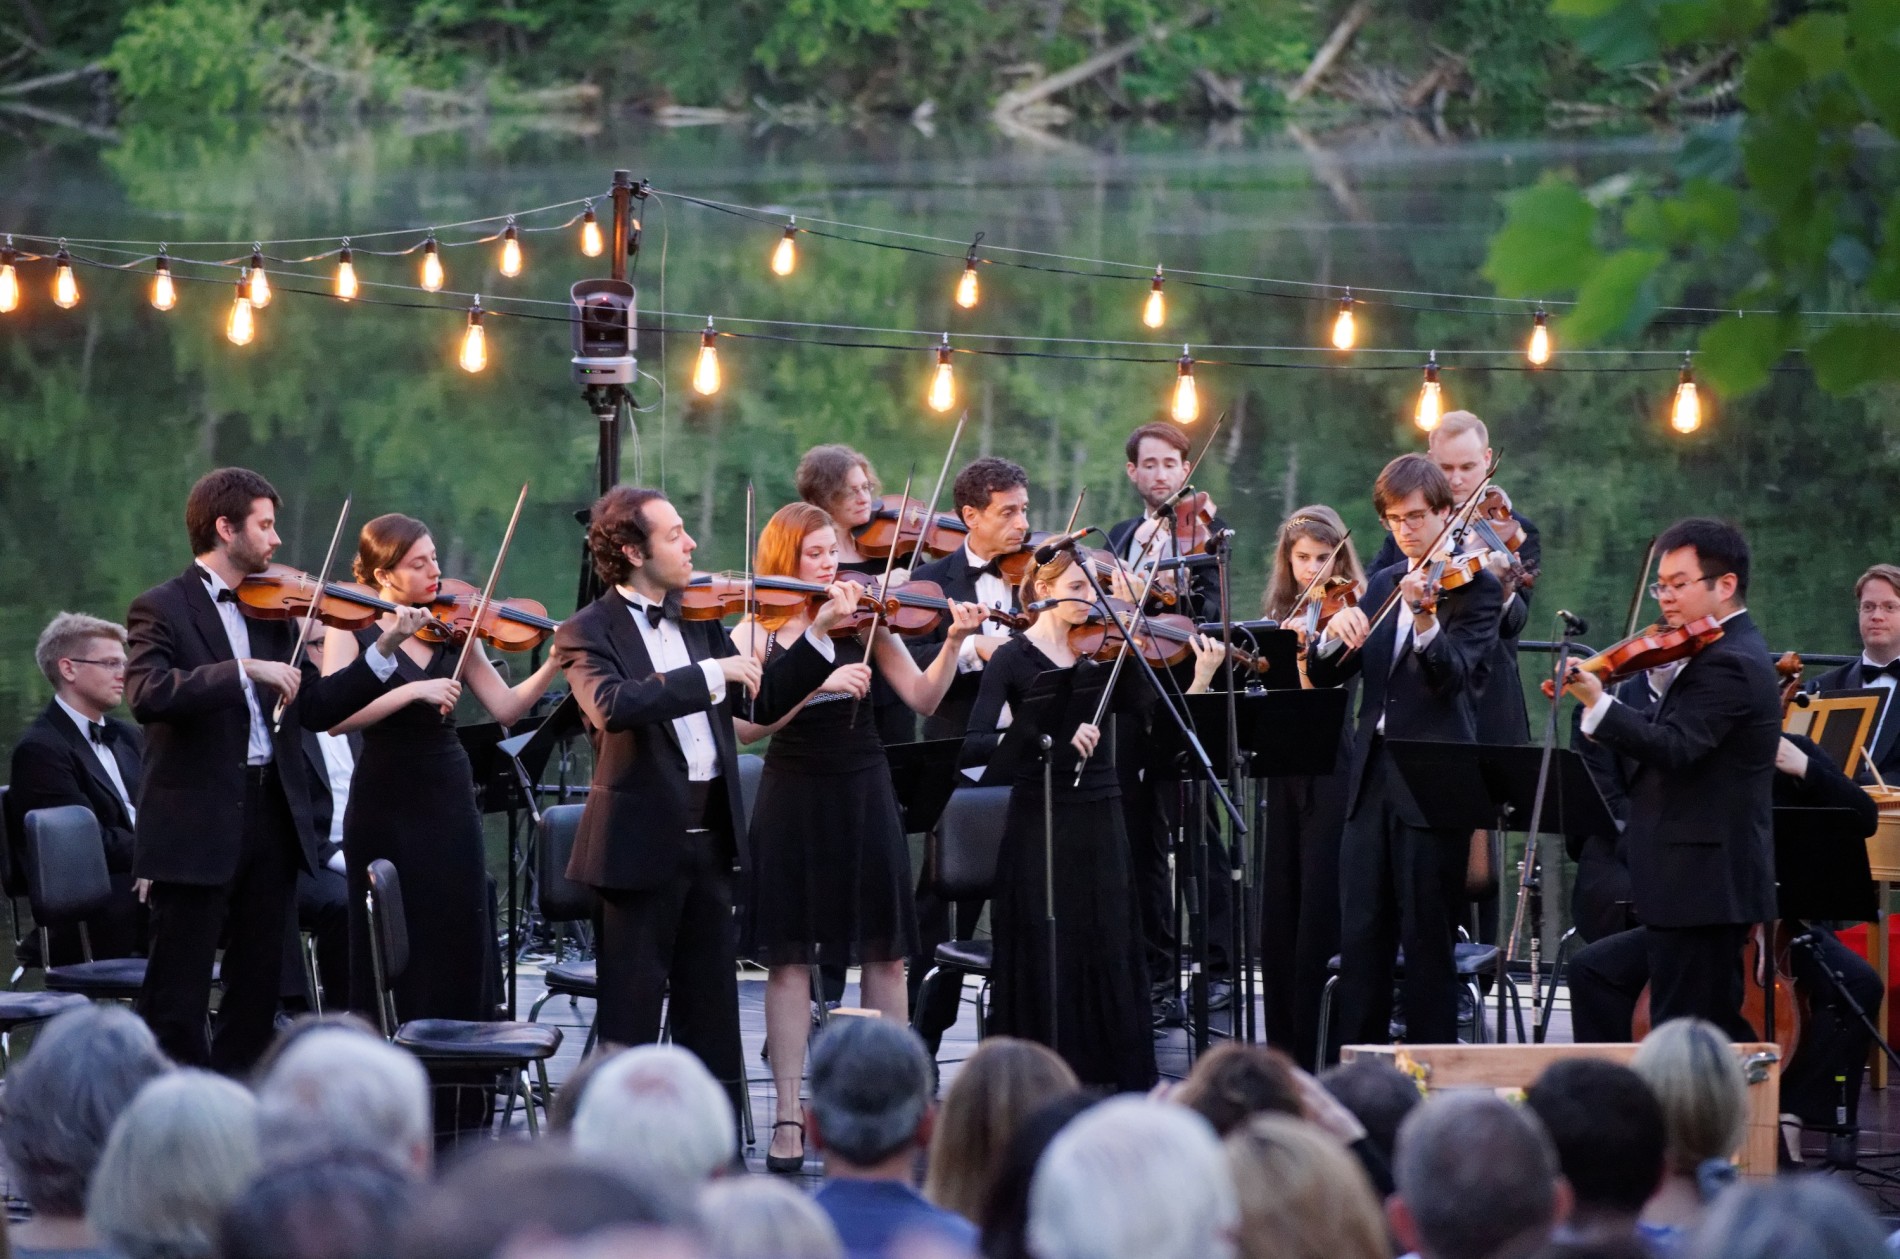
x,y
474,355
164,296
966,284
431,265
241,327
1345,328
1431,401
706,368
345,275
9,281
1154,311
510,251
65,284
260,282
943,382
1186,407
1686,415
591,244
1539,351
785,256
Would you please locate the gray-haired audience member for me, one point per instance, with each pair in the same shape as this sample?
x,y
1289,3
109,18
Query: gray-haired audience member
x,y
1794,1217
56,1112
344,1204
752,1217
1476,1175
655,1111
337,1089
870,1114
178,1157
1133,1179
1608,1129
1378,1094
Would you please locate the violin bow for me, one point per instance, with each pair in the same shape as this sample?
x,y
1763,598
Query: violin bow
x,y
1141,560
310,617
1463,509
936,496
1642,580
751,604
890,561
488,591
1325,570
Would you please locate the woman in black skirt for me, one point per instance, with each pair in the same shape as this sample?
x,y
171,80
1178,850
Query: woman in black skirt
x,y
829,868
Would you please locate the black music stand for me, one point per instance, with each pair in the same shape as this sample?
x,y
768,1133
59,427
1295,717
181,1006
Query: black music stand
x,y
507,772
923,774
1289,732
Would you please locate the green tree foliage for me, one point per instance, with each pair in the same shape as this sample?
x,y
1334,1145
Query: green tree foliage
x,y
1787,206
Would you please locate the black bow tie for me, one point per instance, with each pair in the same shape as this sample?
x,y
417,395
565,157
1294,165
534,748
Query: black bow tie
x,y
666,610
1868,672
101,733
993,568
226,595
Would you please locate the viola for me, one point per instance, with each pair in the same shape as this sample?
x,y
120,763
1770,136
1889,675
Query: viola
x,y
906,526
1163,640
506,624
1788,668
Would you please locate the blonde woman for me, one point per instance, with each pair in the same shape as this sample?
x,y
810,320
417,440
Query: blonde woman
x,y
1301,1195
1003,1082
1694,1073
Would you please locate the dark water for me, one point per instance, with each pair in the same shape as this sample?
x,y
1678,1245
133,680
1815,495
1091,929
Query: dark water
x,y
109,411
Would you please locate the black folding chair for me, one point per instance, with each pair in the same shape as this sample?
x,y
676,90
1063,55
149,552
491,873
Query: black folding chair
x,y
563,901
969,837
64,857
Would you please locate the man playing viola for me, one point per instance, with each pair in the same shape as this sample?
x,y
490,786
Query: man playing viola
x,y
1700,833
1158,466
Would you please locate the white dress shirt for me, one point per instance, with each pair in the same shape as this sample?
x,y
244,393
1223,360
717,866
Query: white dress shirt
x,y
1404,636
1593,715
339,765
992,592
102,753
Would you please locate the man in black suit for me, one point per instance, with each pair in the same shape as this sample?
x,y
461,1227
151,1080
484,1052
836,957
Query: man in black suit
x,y
1424,665
1158,466
224,806
1877,595
664,820
323,895
74,753
1700,834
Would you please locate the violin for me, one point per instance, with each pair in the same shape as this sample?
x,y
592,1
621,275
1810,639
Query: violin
x,y
1335,596
1449,574
1164,640
1494,508
1648,649
897,524
506,625
916,607
283,593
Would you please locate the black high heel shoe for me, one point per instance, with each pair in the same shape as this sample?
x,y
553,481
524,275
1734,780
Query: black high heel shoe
x,y
789,1164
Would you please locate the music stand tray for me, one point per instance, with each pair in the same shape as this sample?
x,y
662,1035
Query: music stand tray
x,y
1290,732
923,775
1471,786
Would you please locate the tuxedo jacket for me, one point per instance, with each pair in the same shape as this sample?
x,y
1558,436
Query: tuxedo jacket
x,y
53,764
1203,582
183,685
633,828
1700,834
957,579
1428,695
1886,745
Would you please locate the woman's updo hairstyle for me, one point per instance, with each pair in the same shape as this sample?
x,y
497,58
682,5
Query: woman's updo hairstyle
x,y
383,543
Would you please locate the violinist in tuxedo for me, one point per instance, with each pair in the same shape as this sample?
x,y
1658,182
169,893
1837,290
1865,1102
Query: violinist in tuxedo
x,y
1157,465
224,804
75,752
664,821
1423,666
1700,833
1877,595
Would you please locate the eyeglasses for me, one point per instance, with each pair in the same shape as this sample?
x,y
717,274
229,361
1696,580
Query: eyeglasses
x,y
1885,608
110,666
1410,520
1657,589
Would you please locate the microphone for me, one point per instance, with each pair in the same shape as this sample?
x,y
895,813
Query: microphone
x,y
1058,544
1184,492
1043,605
1574,623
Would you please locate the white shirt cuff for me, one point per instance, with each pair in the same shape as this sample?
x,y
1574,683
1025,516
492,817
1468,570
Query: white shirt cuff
x,y
821,643
1593,715
715,679
967,661
379,664
1421,641
336,862
1328,646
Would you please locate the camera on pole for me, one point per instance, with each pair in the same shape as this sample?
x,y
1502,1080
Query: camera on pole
x,y
604,336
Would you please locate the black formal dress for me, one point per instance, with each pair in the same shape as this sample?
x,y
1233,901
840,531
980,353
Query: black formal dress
x,y
1700,838
1101,1013
830,871
1402,883
1884,744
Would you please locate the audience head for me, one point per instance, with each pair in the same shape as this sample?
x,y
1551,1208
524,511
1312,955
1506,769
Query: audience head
x,y
655,1111
870,1093
1232,1083
1378,1094
750,1217
1608,1130
1005,1215
1301,1195
1795,1217
338,1089
507,1194
1690,1067
567,1098
61,1100
178,1157
344,1204
1475,1175
1133,1179
1003,1081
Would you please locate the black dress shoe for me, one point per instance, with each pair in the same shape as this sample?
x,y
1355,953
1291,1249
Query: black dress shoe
x,y
787,1164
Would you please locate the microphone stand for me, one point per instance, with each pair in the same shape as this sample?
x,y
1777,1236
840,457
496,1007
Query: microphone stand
x,y
1240,919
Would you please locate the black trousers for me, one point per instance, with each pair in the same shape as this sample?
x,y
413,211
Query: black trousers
x,y
248,914
674,946
1400,885
1832,1056
1299,906
323,909
938,920
1690,972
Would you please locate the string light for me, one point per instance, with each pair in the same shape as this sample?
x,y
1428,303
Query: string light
x,y
966,284
65,284
510,250
474,355
590,233
260,283
785,256
9,280
241,327
431,265
345,273
1187,401
1686,415
164,296
1345,328
706,367
943,383
1431,402
1154,312
1539,351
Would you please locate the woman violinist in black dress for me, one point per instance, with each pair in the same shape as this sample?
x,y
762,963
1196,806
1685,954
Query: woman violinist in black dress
x,y
412,799
829,867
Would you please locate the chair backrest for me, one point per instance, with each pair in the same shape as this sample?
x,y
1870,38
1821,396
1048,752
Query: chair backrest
x,y
561,898
969,835
388,938
751,769
12,877
65,855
